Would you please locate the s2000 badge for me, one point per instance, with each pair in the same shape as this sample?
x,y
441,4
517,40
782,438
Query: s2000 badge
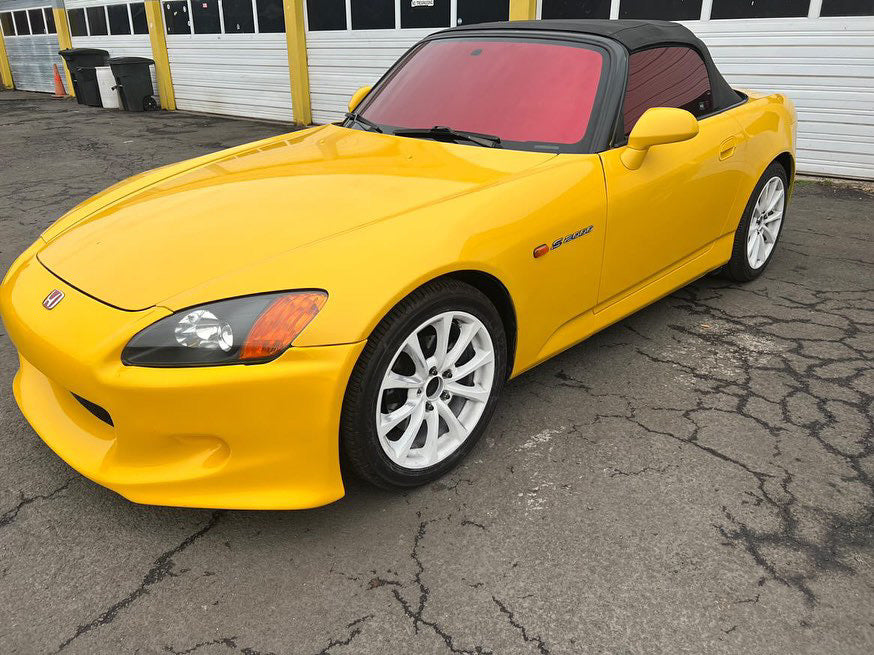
x,y
542,249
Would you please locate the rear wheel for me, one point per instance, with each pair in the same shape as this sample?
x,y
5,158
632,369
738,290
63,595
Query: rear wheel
x,y
425,386
759,230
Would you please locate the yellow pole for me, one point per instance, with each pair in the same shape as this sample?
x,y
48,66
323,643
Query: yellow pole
x,y
298,70
62,27
5,71
523,9
155,18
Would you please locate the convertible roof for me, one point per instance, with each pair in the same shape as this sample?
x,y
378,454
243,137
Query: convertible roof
x,y
633,34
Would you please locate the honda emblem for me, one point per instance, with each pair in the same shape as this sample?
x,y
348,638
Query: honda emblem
x,y
53,299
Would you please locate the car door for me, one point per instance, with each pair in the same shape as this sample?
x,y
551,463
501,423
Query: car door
x,y
673,207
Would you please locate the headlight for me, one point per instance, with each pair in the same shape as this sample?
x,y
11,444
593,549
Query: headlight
x,y
245,330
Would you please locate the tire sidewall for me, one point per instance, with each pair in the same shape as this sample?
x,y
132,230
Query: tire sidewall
x,y
383,353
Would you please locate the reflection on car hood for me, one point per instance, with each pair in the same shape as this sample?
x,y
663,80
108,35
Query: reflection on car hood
x,y
253,204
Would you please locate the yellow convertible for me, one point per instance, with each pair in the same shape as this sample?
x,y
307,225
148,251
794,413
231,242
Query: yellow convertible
x,y
220,332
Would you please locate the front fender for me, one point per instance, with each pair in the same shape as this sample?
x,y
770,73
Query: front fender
x,y
368,270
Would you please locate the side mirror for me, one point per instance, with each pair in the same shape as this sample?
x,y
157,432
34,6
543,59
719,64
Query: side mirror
x,y
358,96
657,126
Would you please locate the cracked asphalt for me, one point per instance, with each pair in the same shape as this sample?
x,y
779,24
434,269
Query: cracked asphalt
x,y
699,478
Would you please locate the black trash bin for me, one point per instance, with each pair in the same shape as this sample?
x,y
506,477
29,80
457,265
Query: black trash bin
x,y
81,63
134,81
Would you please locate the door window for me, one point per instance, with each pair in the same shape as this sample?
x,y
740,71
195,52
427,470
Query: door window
x,y
97,21
666,77
37,22
238,16
22,28
77,22
119,23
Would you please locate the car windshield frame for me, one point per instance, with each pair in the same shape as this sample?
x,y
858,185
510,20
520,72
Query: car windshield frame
x,y
602,112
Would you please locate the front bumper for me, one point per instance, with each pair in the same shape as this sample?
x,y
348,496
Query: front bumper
x,y
262,436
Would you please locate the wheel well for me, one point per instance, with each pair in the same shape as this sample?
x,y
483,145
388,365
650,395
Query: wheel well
x,y
497,293
786,161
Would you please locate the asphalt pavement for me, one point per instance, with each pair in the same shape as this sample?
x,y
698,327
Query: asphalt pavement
x,y
698,478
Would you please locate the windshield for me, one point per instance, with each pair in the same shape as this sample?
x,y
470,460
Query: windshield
x,y
521,91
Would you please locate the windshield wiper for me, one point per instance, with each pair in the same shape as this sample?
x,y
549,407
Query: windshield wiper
x,y
366,122
443,132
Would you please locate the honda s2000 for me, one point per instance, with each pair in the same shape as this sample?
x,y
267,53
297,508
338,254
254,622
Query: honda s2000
x,y
220,332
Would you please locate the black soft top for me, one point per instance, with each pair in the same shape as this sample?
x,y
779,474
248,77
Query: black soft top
x,y
634,35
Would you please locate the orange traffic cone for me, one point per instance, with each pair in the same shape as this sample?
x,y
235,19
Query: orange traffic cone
x,y
60,92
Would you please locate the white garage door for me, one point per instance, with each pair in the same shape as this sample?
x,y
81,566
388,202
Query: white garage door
x,y
119,28
32,46
826,65
819,52
229,57
351,43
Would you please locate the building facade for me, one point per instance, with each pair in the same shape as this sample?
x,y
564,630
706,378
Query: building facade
x,y
303,59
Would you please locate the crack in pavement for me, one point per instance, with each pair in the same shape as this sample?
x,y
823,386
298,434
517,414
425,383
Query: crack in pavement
x,y
10,515
162,569
417,613
535,639
356,630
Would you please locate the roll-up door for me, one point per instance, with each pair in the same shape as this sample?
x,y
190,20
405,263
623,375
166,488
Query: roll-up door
x,y
117,27
351,43
229,57
31,44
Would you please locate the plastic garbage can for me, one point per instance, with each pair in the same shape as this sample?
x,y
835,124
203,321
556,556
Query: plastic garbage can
x,y
134,81
87,92
108,91
88,89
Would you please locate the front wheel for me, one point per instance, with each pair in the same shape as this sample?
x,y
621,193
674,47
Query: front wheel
x,y
425,386
759,229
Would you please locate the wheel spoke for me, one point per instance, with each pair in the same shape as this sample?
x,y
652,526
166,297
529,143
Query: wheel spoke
x,y
397,381
391,420
414,349
402,446
772,230
466,335
479,360
776,196
442,327
754,256
751,243
475,393
432,430
457,431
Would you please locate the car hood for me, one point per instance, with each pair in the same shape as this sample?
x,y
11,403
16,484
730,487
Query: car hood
x,y
152,243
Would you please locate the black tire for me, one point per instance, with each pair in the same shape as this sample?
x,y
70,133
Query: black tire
x,y
359,442
738,267
150,104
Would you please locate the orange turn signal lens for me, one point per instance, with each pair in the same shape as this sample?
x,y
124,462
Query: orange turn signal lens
x,y
281,323
540,251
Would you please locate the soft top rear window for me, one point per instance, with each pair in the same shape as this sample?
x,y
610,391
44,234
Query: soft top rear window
x,y
533,94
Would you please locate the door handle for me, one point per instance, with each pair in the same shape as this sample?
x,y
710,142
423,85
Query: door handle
x,y
727,148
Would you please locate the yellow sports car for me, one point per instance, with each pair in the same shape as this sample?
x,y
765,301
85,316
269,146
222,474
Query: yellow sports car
x,y
220,332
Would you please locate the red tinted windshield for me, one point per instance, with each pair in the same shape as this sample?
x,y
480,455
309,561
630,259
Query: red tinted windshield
x,y
517,90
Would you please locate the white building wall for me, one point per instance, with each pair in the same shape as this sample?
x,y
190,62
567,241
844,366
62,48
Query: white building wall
x,y
342,62
826,65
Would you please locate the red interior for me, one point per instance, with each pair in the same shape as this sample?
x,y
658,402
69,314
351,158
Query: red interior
x,y
517,90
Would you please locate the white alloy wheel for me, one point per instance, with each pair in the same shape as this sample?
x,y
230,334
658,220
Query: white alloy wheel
x,y
765,222
435,390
